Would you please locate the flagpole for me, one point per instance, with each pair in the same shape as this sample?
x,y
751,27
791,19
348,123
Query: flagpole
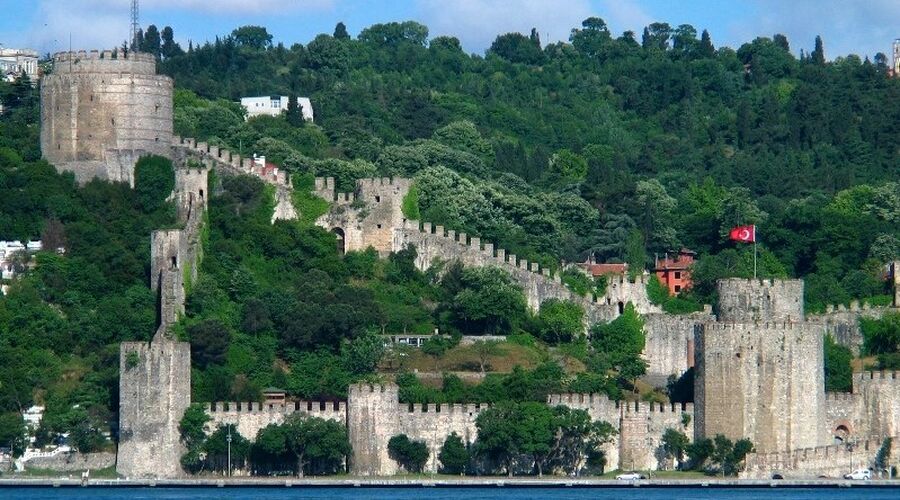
x,y
754,252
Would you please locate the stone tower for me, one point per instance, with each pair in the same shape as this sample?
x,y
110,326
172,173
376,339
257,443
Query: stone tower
x,y
102,111
155,377
373,417
743,300
760,369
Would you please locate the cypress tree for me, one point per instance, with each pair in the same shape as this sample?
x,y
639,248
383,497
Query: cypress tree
x,y
818,54
340,32
706,46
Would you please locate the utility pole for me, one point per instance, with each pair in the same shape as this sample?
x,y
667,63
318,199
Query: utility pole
x,y
135,25
228,439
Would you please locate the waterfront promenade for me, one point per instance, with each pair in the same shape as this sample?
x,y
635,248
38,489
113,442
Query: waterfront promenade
x,y
443,482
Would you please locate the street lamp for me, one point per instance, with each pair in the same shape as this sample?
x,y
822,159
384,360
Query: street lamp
x,y
228,440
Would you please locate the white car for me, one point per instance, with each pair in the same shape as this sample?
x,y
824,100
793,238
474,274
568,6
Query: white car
x,y
629,476
859,475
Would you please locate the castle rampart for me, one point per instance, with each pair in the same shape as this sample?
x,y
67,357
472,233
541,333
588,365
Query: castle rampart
x,y
154,392
251,417
744,300
155,377
102,111
762,381
830,461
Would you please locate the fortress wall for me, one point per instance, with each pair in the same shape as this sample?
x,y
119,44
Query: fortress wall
x,y
250,417
879,394
155,378
640,426
744,300
434,243
100,114
434,423
842,322
373,417
154,392
669,346
832,461
761,381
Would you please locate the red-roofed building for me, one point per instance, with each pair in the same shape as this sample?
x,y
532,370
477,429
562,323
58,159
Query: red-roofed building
x,y
597,270
675,272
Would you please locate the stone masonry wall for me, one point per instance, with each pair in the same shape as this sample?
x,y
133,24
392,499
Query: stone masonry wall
x,y
641,425
154,392
373,417
100,113
155,377
250,418
831,461
669,346
743,300
761,381
434,423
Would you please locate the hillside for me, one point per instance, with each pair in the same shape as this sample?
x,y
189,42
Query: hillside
x,y
604,145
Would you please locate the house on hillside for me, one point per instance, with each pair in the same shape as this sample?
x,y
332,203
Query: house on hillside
x,y
274,106
675,272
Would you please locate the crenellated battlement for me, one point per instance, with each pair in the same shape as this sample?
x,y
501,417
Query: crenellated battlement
x,y
255,407
840,398
106,61
601,401
215,156
363,390
747,300
869,376
435,409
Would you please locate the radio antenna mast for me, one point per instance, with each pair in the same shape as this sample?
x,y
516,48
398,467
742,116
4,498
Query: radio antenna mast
x,y
135,25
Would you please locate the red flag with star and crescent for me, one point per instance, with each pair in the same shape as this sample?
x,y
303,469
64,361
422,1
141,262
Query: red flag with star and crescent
x,y
744,234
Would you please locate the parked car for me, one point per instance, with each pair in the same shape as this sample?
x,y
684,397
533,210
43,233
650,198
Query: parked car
x,y
859,475
629,476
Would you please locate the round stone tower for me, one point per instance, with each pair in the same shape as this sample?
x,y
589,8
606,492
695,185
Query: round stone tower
x,y
101,111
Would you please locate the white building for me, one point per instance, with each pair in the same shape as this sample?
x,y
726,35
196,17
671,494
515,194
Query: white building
x,y
14,61
274,106
8,249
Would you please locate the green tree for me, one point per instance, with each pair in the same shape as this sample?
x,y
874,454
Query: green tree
x,y
838,372
454,455
883,457
340,32
699,452
881,336
490,302
560,321
411,455
675,444
294,115
319,445
254,37
12,432
154,180
818,54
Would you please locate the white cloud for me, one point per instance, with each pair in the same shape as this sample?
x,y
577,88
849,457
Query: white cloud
x,y
846,27
477,22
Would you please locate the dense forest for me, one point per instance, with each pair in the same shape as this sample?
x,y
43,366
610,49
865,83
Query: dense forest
x,y
612,146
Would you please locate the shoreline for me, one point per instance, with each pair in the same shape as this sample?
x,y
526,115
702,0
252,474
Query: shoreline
x,y
486,482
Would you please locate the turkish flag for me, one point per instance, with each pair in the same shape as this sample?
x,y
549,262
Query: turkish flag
x,y
744,234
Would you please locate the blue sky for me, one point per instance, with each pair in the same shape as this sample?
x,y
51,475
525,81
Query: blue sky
x,y
848,26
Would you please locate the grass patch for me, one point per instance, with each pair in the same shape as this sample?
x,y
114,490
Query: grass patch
x,y
104,473
466,359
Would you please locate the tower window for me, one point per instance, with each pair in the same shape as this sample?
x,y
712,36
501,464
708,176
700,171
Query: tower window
x,y
378,199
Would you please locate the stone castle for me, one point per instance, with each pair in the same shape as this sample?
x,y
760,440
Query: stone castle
x,y
101,111
758,364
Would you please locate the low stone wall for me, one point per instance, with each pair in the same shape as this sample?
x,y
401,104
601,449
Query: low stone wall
x,y
831,461
73,461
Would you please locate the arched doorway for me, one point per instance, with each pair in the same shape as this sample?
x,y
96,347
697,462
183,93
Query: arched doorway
x,y
841,434
339,233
